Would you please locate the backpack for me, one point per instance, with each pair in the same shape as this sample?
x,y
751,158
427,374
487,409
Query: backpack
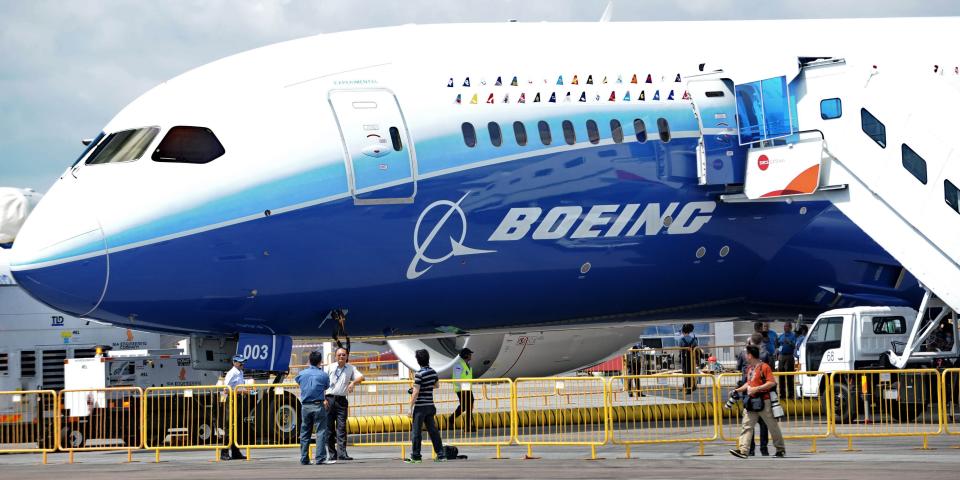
x,y
452,453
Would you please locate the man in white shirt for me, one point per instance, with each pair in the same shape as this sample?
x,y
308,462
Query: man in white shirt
x,y
234,377
343,378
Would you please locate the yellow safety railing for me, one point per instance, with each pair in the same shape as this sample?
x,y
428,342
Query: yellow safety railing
x,y
187,418
266,416
805,417
576,413
659,361
658,409
100,419
886,403
28,422
950,400
489,423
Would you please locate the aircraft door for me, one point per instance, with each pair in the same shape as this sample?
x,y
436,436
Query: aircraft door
x,y
378,152
720,158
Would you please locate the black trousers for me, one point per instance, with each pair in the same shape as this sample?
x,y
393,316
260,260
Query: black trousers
x,y
786,383
465,408
337,426
424,416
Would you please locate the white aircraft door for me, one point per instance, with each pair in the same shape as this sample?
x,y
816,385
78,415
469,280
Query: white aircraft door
x,y
378,152
720,158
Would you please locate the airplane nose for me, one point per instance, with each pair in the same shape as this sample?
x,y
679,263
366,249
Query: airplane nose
x,y
59,256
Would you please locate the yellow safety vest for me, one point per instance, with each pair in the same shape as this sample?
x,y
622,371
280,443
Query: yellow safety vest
x,y
465,374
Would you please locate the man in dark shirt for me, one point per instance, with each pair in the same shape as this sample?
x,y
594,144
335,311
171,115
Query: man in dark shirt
x,y
423,410
314,383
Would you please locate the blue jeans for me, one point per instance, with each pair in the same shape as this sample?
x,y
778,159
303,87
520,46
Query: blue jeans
x,y
421,416
313,415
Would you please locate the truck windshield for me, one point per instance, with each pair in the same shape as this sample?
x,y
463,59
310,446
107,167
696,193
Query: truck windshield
x,y
827,330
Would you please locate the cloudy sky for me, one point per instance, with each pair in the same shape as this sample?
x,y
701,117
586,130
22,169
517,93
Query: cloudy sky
x,y
66,67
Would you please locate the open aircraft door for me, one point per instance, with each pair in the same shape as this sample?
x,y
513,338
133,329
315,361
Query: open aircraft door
x,y
720,158
380,159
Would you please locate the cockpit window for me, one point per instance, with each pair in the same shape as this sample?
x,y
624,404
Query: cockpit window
x,y
125,146
90,146
188,145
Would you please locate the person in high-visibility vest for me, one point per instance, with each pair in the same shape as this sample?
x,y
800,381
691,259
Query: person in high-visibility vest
x,y
462,371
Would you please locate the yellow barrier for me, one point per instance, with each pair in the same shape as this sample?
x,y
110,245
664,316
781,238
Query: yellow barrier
x,y
100,419
576,412
28,422
657,409
266,416
490,422
950,399
886,403
187,418
805,418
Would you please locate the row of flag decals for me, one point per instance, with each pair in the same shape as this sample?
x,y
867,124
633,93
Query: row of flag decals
x,y
569,97
575,81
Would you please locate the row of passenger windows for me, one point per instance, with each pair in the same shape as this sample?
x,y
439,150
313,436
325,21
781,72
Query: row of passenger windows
x,y
910,159
569,133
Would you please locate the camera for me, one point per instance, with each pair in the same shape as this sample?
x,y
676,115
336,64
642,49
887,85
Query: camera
x,y
732,399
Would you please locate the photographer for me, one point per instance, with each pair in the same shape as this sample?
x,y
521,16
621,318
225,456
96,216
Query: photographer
x,y
756,404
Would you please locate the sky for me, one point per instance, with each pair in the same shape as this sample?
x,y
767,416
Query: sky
x,y
67,67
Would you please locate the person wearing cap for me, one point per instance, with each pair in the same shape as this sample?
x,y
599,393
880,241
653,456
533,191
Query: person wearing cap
x,y
343,378
462,371
234,377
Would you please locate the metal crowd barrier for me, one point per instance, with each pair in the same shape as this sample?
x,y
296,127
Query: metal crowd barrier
x,y
266,416
805,418
490,423
28,422
886,403
659,409
100,419
950,399
187,418
575,413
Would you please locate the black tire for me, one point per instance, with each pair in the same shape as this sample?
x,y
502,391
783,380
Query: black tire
x,y
72,438
843,411
907,412
285,420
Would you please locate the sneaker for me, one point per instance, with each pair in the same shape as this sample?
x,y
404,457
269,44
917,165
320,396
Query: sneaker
x,y
753,453
326,461
412,460
780,454
439,459
225,455
345,457
304,461
738,453
764,452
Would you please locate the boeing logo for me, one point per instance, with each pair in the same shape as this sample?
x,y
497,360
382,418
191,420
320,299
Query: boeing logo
x,y
617,220
457,247
574,222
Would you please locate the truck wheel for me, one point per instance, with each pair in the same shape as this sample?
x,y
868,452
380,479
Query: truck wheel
x,y
907,412
72,438
843,411
286,421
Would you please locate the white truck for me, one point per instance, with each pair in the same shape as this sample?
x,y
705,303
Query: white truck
x,y
874,338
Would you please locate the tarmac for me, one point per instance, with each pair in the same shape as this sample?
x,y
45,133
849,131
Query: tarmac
x,y
877,458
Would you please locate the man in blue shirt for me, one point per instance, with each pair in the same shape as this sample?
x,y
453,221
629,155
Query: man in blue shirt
x,y
788,345
314,383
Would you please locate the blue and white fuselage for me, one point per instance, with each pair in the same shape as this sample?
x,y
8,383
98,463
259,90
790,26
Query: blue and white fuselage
x,y
358,173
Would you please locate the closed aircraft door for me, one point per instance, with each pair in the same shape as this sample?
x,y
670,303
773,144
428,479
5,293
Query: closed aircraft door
x,y
378,151
720,158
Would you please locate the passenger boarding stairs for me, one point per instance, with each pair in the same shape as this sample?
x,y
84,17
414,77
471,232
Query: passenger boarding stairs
x,y
883,145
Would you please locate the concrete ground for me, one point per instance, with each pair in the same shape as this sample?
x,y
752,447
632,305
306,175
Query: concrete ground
x,y
894,458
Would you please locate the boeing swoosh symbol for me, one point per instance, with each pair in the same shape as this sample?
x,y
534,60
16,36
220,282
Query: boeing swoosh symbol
x,y
457,248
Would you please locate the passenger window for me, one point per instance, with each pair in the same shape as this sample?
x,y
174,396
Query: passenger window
x,y
593,133
188,145
569,135
889,325
616,131
395,138
496,137
520,133
952,195
545,137
664,128
469,134
830,108
914,164
641,130
125,146
873,128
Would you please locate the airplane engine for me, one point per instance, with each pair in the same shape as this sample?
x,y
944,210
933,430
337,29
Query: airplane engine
x,y
521,354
